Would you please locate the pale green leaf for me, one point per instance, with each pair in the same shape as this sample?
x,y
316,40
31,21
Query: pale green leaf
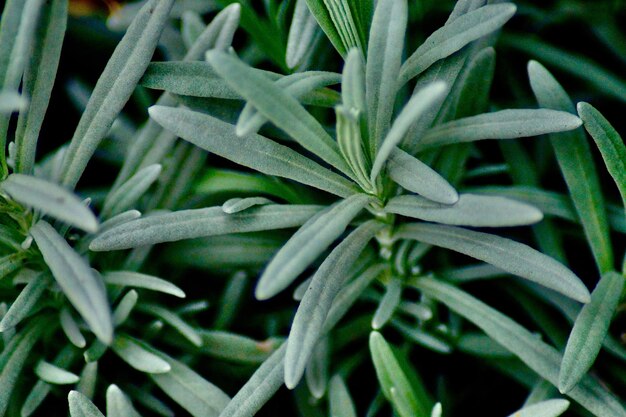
x,y
540,357
71,329
253,151
388,304
506,254
236,205
236,348
414,175
548,408
590,330
174,320
353,82
128,194
54,375
503,124
308,322
457,33
302,35
471,210
81,406
192,27
340,402
313,238
25,303
316,373
51,199
319,10
114,87
189,224
11,101
125,307
78,282
138,280
118,404
135,355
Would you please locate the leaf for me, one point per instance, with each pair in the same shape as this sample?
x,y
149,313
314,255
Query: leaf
x,y
114,87
118,404
51,199
192,27
319,10
576,162
173,320
236,348
540,357
590,329
388,304
503,124
419,103
133,353
128,194
471,210
278,106
341,404
511,256
352,147
455,35
11,101
309,320
414,175
236,205
71,329
549,408
252,151
308,244
384,55
189,390
39,76
609,142
316,373
54,375
81,406
125,307
353,82
78,282
138,280
25,303
392,377
189,224
302,35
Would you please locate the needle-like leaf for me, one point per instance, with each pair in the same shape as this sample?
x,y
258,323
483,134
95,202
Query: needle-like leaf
x,y
133,353
138,280
302,34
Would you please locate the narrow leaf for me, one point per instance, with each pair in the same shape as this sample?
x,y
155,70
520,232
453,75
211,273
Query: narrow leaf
x,y
590,329
51,199
511,256
81,406
78,282
126,195
189,224
174,320
341,404
71,329
133,353
307,244
11,101
137,280
24,303
302,34
471,210
388,304
54,375
118,404
236,205
548,408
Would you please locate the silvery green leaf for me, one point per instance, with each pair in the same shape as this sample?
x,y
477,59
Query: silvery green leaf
x,y
353,82
298,85
236,348
384,55
125,307
574,156
480,344
341,15
192,27
506,254
503,124
308,322
419,103
10,263
352,147
590,330
189,390
78,282
313,238
138,280
134,354
316,373
54,375
236,205
414,175
471,210
118,404
14,356
340,402
39,77
71,329
388,304
11,101
24,303
437,410
174,320
114,87
278,106
539,356
261,386
609,142
391,377
302,34
455,35
319,10
51,199
422,337
253,151
548,408
189,224
81,406
88,379
126,195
